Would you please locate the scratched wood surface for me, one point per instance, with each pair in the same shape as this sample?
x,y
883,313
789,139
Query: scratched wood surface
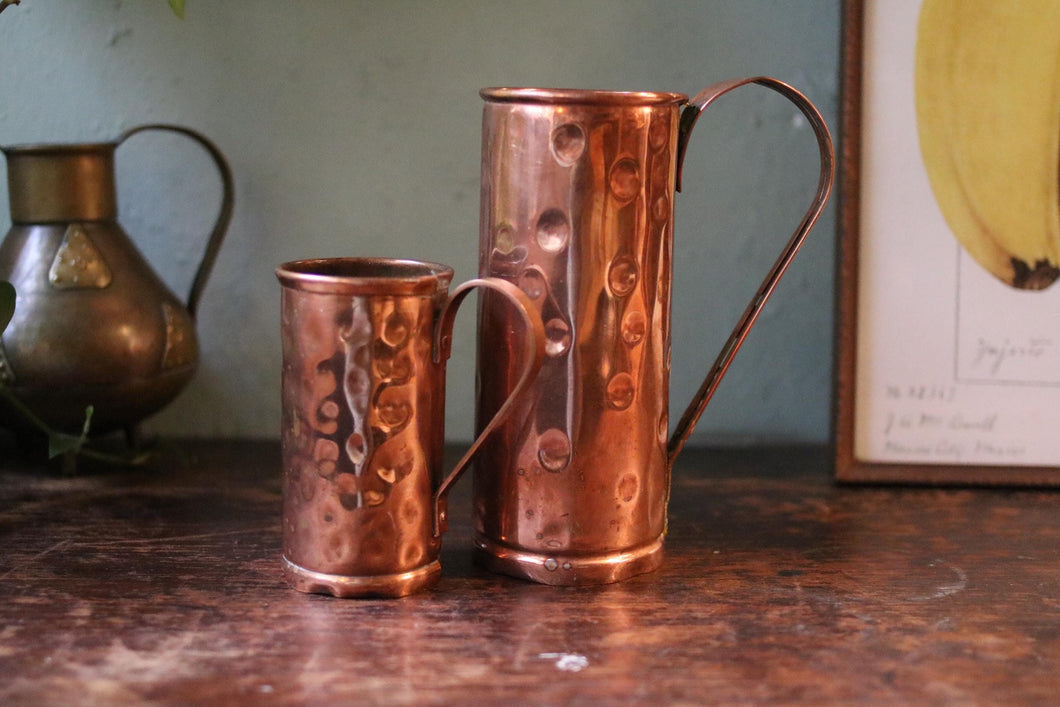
x,y
162,586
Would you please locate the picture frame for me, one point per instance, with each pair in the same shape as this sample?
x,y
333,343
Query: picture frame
x,y
941,400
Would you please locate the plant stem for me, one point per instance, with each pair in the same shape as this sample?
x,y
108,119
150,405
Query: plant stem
x,y
135,458
23,410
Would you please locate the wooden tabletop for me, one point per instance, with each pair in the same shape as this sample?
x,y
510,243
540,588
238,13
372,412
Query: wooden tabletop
x,y
162,585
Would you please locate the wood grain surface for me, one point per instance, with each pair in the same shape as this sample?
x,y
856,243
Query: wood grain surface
x,y
162,586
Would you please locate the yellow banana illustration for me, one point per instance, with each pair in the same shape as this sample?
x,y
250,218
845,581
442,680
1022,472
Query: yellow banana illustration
x,y
988,117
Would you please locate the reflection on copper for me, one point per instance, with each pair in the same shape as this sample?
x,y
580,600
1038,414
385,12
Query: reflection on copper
x,y
577,210
364,344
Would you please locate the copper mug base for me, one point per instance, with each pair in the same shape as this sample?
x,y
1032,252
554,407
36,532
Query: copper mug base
x,y
344,586
562,570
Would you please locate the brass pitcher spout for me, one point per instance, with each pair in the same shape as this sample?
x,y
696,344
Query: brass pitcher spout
x,y
56,183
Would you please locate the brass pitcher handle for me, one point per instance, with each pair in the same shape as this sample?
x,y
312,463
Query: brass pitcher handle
x,y
534,356
689,116
213,243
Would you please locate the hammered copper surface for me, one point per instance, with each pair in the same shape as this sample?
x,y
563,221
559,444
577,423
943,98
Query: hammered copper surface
x,y
94,325
577,210
365,342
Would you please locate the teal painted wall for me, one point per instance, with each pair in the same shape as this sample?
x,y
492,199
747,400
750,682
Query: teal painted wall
x,y
353,128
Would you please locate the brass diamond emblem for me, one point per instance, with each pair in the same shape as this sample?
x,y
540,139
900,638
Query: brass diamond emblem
x,y
78,263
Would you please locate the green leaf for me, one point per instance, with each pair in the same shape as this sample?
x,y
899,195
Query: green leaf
x,y
7,304
178,8
61,443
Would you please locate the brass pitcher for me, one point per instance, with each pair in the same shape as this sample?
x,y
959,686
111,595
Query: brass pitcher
x,y
577,209
94,325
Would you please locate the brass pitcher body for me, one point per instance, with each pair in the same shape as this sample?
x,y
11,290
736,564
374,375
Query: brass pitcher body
x,y
577,210
93,323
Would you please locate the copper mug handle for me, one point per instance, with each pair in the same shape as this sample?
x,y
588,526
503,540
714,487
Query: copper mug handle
x,y
224,216
534,356
689,116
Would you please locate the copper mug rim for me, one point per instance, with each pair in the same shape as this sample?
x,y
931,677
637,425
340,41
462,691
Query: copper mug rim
x,y
577,96
365,276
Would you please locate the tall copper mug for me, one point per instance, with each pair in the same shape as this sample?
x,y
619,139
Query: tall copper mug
x,y
577,210
365,341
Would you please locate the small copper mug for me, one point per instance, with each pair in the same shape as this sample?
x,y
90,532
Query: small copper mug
x,y
577,209
365,341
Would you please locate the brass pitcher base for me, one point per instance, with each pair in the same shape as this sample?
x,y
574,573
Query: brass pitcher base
x,y
384,585
568,570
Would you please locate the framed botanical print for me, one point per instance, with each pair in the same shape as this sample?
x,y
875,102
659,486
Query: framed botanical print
x,y
948,367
